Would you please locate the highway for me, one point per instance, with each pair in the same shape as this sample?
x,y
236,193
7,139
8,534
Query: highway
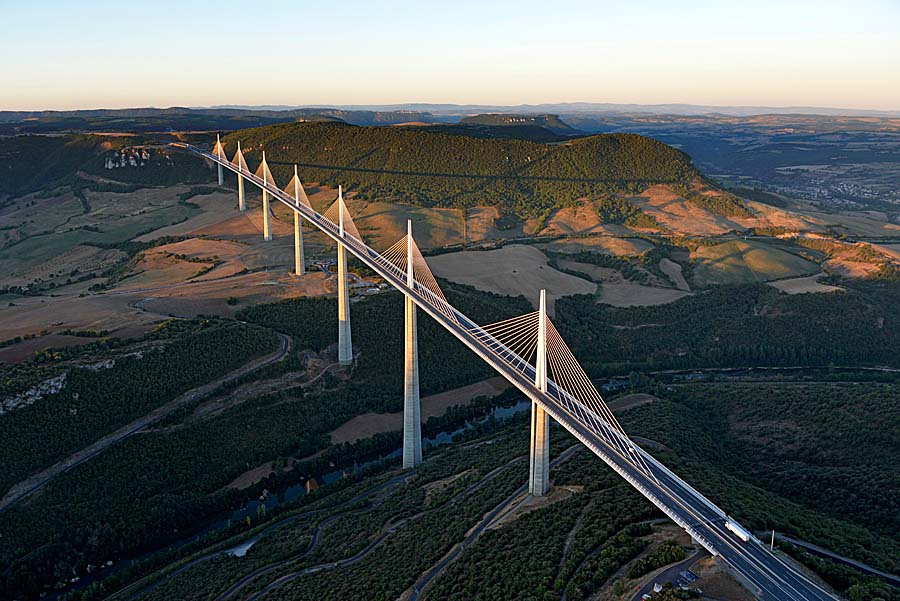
x,y
773,578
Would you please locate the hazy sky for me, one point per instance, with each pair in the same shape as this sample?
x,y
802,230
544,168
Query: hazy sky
x,y
88,54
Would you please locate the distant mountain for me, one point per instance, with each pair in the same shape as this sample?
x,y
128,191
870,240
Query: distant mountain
x,y
564,108
550,122
414,165
184,119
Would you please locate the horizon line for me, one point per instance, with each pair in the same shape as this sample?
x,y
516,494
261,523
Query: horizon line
x,y
472,105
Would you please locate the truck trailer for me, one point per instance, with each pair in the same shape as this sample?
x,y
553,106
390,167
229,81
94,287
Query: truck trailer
x,y
738,530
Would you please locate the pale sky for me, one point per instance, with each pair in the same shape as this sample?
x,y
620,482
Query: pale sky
x,y
128,53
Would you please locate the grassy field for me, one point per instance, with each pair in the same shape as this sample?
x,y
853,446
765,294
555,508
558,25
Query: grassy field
x,y
513,270
678,215
110,218
615,290
623,247
803,285
746,261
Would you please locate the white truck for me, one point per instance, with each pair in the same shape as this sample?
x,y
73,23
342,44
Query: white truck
x,y
738,530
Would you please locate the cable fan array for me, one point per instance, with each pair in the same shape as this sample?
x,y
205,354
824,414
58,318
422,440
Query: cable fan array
x,y
512,340
515,341
398,256
238,160
337,213
295,190
263,172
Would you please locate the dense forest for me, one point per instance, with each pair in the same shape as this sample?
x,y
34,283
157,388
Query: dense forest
x,y
444,362
742,444
850,439
432,169
737,326
98,399
153,488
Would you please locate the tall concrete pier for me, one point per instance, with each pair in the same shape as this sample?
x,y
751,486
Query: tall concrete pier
x,y
299,267
299,260
242,166
345,343
220,154
267,222
539,480
412,412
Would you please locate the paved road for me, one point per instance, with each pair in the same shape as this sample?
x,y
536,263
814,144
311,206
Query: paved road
x,y
39,480
812,549
773,578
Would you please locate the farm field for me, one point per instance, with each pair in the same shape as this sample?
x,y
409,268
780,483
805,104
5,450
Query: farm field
x,y
615,290
678,215
622,247
743,261
674,272
514,270
803,285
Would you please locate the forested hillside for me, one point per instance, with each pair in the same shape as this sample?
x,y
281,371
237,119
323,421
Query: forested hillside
x,y
551,122
31,163
432,169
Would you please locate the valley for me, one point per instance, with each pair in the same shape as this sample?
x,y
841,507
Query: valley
x,y
283,480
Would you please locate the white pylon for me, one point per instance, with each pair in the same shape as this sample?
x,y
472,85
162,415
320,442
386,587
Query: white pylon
x,y
299,261
340,210
267,223
345,343
539,478
412,412
242,202
220,153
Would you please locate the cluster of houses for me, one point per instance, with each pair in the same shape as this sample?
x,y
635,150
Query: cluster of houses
x,y
134,157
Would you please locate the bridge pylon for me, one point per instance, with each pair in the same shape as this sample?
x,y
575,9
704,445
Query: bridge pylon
x,y
295,188
220,154
345,343
412,412
539,477
241,167
266,177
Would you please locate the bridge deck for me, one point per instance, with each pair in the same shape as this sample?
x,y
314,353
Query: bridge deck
x,y
774,578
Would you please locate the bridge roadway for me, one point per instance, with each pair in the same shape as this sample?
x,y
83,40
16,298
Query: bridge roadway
x,y
773,578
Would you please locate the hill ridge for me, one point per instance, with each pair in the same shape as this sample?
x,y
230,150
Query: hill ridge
x,y
521,177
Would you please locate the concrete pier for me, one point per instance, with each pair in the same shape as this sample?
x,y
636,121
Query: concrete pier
x,y
267,221
242,166
412,412
299,260
345,343
220,154
539,479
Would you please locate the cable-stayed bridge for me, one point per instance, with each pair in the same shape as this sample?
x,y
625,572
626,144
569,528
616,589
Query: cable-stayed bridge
x,y
530,353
